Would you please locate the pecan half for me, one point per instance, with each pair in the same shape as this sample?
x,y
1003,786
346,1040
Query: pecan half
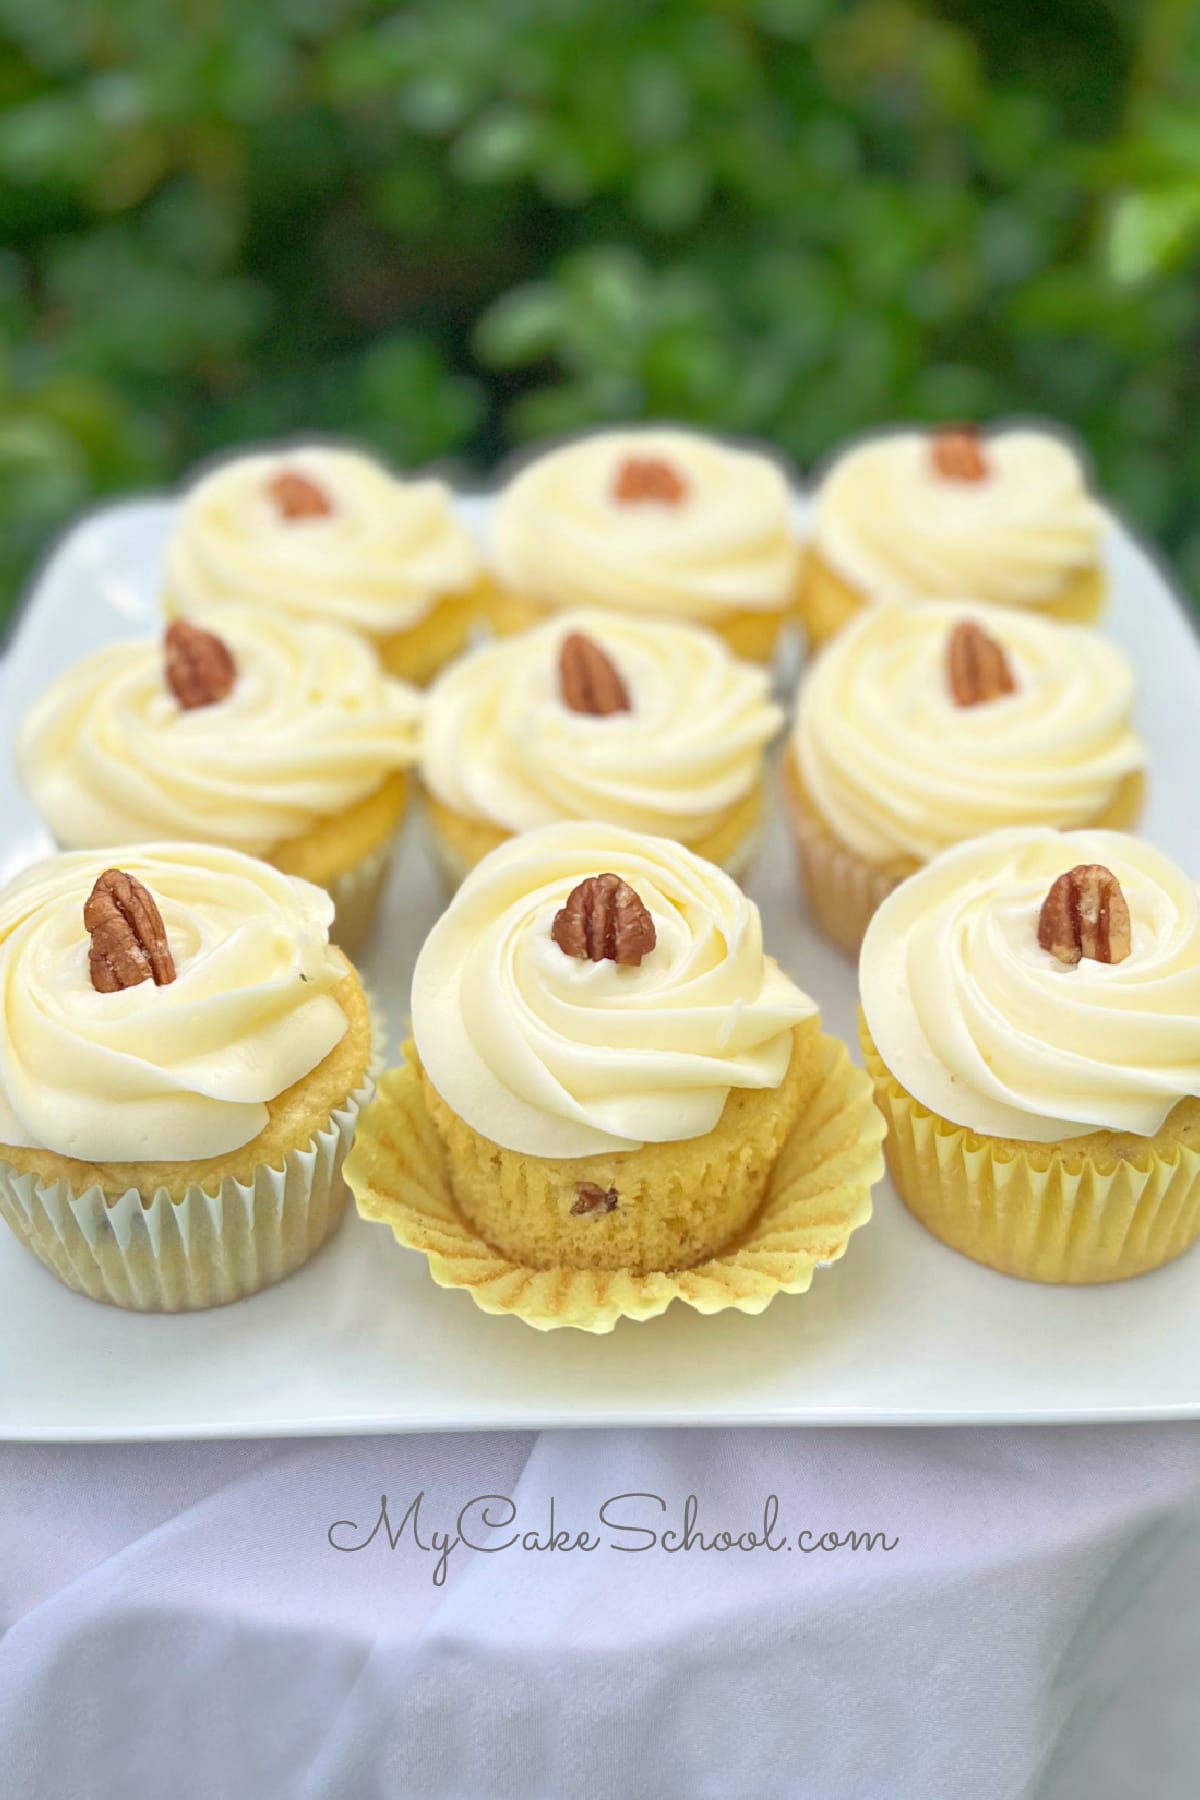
x,y
591,1199
649,478
129,940
958,454
200,667
298,496
1086,914
588,680
604,919
977,666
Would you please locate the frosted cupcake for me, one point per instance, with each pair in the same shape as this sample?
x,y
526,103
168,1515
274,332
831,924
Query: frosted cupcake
x,y
632,722
653,523
318,533
614,1097
917,515
925,725
1030,1006
281,738
182,1060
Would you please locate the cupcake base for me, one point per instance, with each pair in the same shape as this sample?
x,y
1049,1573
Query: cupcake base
x,y
842,890
182,1237
828,601
1099,1208
752,636
817,1193
460,842
417,654
349,856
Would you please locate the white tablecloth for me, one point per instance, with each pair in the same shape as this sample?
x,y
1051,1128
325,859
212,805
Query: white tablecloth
x,y
177,1623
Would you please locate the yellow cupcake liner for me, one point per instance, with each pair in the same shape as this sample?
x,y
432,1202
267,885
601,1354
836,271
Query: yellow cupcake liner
x,y
819,1194
1094,1209
828,601
158,1253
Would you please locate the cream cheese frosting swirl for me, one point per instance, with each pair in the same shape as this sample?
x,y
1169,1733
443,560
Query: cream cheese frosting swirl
x,y
553,1056
501,745
378,560
886,520
162,1074
897,768
562,538
986,1028
311,726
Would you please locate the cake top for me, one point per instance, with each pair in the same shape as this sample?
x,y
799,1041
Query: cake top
x,y
246,735
1004,515
320,532
1040,985
644,723
154,1004
591,989
919,726
648,520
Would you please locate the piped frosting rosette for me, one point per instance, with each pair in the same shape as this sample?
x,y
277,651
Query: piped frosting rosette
x,y
899,768
1043,1115
502,747
311,726
376,554
123,1114
888,521
719,541
557,1057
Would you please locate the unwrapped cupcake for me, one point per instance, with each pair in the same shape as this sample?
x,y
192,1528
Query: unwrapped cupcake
x,y
1005,516
614,1097
281,737
182,1060
314,532
652,522
1031,1020
597,715
925,725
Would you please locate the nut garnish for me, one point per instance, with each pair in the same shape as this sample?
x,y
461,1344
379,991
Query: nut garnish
x,y
1086,914
958,454
298,496
603,920
588,679
592,1199
977,667
649,478
200,666
129,940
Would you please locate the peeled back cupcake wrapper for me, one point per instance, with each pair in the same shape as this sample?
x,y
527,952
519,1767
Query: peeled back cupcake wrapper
x,y
205,1249
820,1193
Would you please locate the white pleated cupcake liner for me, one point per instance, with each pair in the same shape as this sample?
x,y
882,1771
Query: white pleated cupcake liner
x,y
356,895
207,1248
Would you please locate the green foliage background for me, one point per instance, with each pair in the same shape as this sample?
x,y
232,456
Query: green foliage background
x,y
451,226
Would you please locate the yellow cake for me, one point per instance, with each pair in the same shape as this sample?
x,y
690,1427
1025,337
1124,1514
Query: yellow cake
x,y
185,1055
618,1083
926,725
1029,1021
279,737
1005,517
641,723
320,532
653,522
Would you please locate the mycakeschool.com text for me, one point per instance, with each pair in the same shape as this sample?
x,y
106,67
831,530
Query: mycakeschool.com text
x,y
628,1524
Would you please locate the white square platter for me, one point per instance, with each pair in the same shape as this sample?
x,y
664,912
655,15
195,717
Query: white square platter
x,y
902,1331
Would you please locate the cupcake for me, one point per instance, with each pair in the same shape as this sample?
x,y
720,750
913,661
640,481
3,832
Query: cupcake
x,y
633,722
318,533
1030,1005
182,1060
917,515
282,738
925,725
653,523
614,1098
